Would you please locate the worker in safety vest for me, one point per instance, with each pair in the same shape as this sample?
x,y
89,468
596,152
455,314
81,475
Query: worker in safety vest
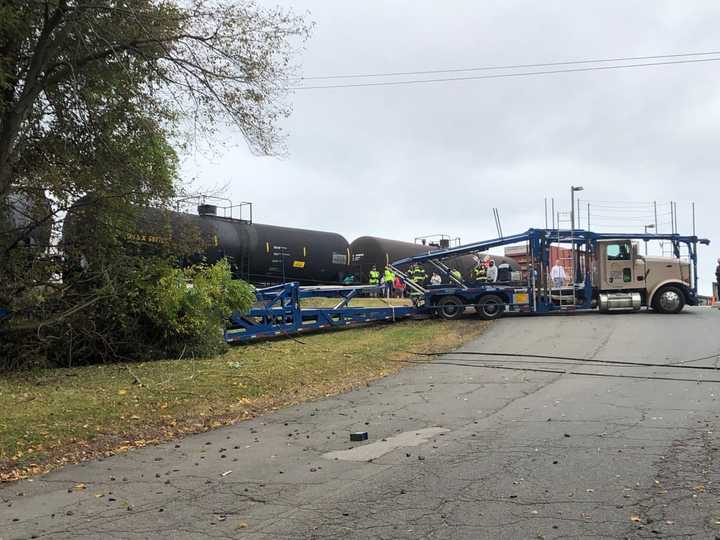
x,y
373,279
456,274
374,276
388,279
479,273
417,274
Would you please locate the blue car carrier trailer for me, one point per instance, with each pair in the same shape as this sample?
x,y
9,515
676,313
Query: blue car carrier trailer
x,y
279,312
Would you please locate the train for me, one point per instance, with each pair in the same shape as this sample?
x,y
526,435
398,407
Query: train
x,y
269,254
25,219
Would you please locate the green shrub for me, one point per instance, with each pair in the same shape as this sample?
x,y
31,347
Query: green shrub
x,y
190,305
134,308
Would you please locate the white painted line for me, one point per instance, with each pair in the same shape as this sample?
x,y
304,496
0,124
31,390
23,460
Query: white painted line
x,y
377,449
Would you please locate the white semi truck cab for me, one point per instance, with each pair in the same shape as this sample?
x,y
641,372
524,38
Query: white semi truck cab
x,y
622,279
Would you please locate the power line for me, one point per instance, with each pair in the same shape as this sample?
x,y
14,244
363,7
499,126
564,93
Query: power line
x,y
511,66
501,76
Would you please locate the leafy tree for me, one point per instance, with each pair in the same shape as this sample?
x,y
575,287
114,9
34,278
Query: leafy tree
x,y
96,97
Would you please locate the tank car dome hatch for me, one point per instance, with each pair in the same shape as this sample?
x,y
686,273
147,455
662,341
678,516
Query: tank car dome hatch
x,y
207,210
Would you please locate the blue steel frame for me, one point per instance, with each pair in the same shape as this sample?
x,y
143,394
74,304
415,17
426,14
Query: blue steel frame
x,y
539,242
279,312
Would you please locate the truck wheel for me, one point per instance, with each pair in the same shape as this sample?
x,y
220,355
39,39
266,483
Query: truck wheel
x,y
450,307
669,299
490,307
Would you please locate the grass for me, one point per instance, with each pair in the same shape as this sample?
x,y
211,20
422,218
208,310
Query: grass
x,y
57,416
356,302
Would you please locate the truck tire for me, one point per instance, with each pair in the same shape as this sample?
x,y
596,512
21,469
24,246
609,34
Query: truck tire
x,y
490,307
450,307
669,299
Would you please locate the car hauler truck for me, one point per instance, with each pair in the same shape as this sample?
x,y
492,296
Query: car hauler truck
x,y
608,274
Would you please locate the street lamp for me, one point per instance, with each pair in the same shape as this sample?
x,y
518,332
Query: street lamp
x,y
651,226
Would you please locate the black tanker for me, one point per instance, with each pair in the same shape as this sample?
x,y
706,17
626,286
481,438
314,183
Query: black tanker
x,y
261,254
369,251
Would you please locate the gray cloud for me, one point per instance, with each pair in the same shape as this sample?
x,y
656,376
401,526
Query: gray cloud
x,y
404,161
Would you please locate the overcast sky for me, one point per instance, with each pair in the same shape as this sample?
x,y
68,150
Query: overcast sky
x,y
406,161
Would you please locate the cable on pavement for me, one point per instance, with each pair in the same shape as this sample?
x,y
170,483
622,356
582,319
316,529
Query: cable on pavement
x,y
564,372
679,365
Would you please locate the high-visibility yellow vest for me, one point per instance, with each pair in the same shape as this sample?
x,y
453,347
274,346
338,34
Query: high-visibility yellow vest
x,y
389,276
418,274
374,277
479,271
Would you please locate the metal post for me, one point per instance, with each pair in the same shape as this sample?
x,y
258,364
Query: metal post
x,y
546,221
655,212
588,216
650,226
573,189
693,217
579,214
673,216
553,212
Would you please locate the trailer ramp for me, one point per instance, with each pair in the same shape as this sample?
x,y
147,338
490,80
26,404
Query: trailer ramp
x,y
278,312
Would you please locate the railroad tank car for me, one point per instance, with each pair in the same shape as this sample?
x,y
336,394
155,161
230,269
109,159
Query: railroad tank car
x,y
369,251
27,220
261,254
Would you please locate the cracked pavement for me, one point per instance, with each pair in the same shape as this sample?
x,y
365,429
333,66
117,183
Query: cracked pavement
x,y
520,454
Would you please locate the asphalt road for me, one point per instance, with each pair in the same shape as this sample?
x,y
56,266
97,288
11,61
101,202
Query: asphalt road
x,y
455,450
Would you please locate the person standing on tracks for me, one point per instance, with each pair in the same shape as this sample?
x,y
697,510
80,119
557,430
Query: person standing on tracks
x,y
388,279
455,273
374,278
557,274
435,279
